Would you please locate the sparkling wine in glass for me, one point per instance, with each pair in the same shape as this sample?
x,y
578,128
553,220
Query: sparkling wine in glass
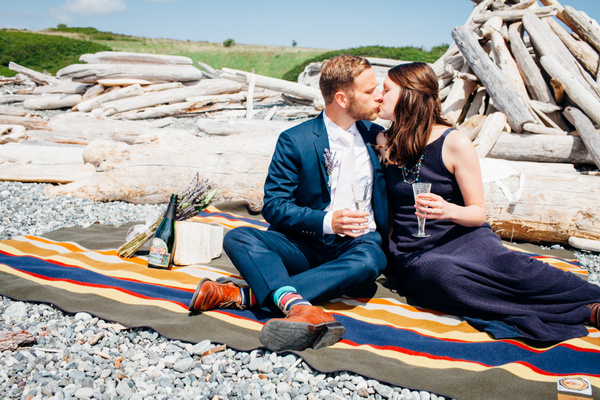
x,y
418,188
360,191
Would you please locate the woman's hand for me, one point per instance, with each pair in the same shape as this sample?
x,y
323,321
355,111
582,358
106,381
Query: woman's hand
x,y
432,206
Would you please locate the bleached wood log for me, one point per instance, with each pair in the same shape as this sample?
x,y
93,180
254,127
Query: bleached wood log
x,y
127,82
109,57
583,52
548,44
203,88
585,244
15,98
37,77
516,15
457,97
29,122
197,242
551,209
489,134
93,91
64,86
209,103
583,25
91,73
577,93
521,5
11,110
588,134
507,65
279,85
96,102
542,129
541,148
149,171
472,126
506,99
88,128
243,126
52,101
545,107
158,87
532,77
26,153
549,114
46,173
41,135
493,24
477,104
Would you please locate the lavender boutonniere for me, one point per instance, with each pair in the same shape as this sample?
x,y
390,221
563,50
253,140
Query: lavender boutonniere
x,y
330,164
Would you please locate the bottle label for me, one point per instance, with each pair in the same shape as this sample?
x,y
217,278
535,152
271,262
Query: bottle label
x,y
159,254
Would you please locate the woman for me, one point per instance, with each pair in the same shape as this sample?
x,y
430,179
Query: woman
x,y
462,268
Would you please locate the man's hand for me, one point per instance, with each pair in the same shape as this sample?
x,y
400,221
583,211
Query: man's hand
x,y
349,223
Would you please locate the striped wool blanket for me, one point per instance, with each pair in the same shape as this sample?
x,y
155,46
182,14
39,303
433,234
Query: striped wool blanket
x,y
387,338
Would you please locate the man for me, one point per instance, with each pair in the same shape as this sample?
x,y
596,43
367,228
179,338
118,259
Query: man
x,y
318,247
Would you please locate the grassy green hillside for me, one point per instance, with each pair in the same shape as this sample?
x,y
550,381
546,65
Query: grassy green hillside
x,y
56,48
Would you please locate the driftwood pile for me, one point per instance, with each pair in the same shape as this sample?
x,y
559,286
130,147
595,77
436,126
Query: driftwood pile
x,y
524,87
522,78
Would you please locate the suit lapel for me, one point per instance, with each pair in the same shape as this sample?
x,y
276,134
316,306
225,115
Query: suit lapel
x,y
321,143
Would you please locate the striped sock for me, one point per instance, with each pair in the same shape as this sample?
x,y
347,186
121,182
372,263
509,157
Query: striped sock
x,y
248,298
285,297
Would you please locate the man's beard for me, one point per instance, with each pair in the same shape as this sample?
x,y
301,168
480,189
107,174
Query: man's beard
x,y
360,111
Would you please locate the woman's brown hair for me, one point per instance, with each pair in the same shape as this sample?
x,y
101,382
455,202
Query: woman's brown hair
x,y
418,109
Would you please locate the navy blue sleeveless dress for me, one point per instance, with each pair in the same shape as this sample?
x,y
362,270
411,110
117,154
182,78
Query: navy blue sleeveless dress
x,y
468,272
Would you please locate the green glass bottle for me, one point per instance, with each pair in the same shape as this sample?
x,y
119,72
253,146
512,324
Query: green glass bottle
x,y
161,246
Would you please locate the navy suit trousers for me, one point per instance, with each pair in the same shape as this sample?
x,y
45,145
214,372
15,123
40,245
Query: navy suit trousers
x,y
319,270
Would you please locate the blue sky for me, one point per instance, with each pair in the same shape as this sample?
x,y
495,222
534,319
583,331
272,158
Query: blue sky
x,y
334,24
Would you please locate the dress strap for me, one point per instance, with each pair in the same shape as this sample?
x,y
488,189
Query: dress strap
x,y
447,131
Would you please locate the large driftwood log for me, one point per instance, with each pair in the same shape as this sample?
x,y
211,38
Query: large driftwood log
x,y
96,102
109,57
52,101
541,148
585,128
515,15
508,65
547,43
489,134
91,73
506,99
64,86
149,171
37,77
577,93
457,97
583,25
279,85
201,104
552,207
203,88
87,128
532,77
583,52
29,122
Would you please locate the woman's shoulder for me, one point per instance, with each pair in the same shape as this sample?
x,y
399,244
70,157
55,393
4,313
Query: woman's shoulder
x,y
457,140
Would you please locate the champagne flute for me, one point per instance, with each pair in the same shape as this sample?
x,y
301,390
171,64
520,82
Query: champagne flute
x,y
360,191
418,188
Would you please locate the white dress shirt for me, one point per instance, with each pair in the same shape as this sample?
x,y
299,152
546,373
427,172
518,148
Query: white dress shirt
x,y
339,142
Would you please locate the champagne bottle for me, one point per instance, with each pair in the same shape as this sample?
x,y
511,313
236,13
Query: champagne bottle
x,y
161,246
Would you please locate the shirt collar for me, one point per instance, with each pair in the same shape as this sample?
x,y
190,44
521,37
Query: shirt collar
x,y
335,132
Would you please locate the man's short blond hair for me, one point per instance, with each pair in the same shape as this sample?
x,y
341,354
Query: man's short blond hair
x,y
338,73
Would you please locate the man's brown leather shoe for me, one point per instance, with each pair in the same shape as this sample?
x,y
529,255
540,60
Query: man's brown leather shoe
x,y
210,295
305,326
595,317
